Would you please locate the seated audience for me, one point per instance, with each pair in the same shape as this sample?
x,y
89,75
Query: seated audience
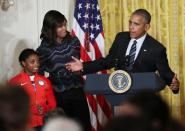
x,y
62,124
175,125
144,111
54,113
148,105
128,123
14,108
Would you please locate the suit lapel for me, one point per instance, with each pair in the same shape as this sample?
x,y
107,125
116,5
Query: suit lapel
x,y
126,43
124,49
143,51
121,49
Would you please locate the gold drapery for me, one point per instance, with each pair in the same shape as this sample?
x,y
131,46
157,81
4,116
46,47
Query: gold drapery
x,y
167,26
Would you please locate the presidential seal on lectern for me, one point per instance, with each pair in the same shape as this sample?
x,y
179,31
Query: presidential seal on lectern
x,y
120,81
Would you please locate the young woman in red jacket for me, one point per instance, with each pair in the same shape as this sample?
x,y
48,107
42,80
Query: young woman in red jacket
x,y
38,87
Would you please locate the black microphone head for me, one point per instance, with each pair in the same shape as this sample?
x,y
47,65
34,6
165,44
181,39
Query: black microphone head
x,y
116,61
127,60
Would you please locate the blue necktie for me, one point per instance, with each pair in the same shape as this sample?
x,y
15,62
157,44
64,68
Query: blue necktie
x,y
131,55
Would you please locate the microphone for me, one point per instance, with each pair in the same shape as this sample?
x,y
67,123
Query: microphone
x,y
116,63
127,61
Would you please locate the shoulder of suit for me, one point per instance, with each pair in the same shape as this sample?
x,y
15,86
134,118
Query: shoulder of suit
x,y
123,35
155,42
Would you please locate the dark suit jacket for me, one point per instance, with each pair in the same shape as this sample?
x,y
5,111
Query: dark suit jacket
x,y
152,57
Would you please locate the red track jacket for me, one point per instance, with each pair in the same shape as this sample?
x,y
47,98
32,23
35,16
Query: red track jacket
x,y
42,95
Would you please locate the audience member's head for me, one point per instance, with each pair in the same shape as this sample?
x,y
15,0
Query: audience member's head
x,y
175,125
148,105
55,113
14,108
61,124
2,124
127,123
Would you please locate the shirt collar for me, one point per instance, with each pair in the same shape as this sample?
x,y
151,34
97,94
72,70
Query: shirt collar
x,y
141,39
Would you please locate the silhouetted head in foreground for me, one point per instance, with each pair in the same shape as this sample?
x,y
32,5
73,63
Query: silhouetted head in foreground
x,y
14,108
149,106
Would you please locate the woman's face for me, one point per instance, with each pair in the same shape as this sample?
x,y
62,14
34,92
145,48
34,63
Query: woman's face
x,y
61,31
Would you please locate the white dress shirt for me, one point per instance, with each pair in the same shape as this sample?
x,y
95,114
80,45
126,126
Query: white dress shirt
x,y
138,45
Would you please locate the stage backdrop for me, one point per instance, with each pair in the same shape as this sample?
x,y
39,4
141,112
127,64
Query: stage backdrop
x,y
167,26
20,28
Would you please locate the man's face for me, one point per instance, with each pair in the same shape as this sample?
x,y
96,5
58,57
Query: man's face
x,y
31,64
137,26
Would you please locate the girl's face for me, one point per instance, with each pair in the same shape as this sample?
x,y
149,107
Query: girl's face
x,y
31,64
61,31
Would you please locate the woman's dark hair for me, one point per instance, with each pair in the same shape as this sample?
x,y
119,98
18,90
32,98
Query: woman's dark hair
x,y
25,54
52,20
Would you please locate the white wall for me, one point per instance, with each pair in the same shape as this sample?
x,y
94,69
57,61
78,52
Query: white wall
x,y
20,28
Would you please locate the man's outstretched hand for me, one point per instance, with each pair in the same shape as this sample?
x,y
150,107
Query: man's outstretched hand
x,y
75,65
175,85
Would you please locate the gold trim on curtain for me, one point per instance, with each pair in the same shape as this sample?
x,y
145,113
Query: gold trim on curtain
x,y
167,26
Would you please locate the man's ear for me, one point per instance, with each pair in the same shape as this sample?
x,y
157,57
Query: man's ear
x,y
147,27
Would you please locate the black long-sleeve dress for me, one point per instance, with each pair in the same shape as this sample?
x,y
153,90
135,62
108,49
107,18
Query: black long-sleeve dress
x,y
68,86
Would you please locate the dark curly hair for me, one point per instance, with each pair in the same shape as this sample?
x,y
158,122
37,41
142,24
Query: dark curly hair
x,y
26,53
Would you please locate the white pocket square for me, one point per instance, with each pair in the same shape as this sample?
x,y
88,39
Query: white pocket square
x,y
144,50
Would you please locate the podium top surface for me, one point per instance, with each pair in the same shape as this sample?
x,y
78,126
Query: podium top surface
x,y
98,83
